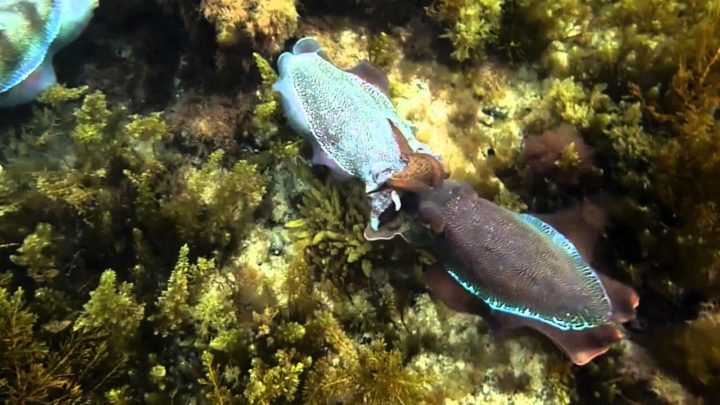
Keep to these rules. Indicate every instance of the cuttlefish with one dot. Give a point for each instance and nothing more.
(518, 271)
(31, 32)
(352, 126)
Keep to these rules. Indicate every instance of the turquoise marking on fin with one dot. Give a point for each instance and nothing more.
(561, 241)
(574, 323)
(35, 54)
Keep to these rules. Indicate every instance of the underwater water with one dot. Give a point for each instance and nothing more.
(359, 201)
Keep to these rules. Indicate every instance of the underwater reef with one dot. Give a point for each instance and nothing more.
(165, 237)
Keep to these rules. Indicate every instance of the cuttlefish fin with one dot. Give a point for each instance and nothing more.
(558, 239)
(583, 234)
(28, 89)
(443, 287)
(580, 346)
(623, 299)
(308, 45)
(582, 224)
(369, 73)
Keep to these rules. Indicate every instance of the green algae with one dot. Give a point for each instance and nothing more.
(474, 24)
(330, 229)
(112, 310)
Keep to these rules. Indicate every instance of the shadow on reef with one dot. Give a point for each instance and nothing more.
(393, 12)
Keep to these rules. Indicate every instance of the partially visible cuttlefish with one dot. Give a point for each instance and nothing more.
(31, 32)
(518, 271)
(350, 122)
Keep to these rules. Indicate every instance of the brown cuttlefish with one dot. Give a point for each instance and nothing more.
(516, 271)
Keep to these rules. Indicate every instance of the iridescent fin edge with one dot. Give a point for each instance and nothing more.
(498, 305)
(580, 346)
(561, 241)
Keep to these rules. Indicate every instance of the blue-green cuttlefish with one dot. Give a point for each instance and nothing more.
(350, 122)
(31, 32)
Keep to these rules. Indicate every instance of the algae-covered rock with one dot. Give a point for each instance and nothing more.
(267, 24)
(473, 24)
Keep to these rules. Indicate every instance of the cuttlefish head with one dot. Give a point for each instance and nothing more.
(422, 216)
(434, 204)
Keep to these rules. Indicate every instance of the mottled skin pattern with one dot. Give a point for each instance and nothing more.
(31, 32)
(347, 119)
(509, 264)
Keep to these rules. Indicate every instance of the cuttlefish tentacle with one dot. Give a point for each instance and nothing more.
(422, 170)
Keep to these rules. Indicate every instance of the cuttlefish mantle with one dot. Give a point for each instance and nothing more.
(348, 119)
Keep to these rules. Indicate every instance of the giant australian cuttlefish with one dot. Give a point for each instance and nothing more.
(513, 269)
(31, 32)
(518, 271)
(350, 122)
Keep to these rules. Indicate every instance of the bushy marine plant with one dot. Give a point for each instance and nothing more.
(361, 374)
(106, 188)
(330, 228)
(267, 24)
(613, 42)
(693, 350)
(684, 163)
(473, 24)
(39, 365)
